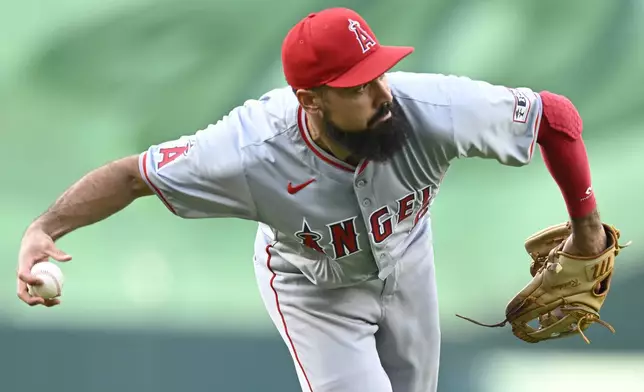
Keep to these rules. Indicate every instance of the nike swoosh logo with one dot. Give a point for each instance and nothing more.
(293, 189)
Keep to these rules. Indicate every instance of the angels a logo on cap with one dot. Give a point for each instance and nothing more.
(365, 40)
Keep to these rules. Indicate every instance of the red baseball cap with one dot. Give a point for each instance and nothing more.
(336, 47)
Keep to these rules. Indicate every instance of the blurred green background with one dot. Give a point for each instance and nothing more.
(155, 303)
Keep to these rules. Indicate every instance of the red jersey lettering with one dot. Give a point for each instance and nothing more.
(405, 207)
(344, 238)
(380, 231)
(425, 204)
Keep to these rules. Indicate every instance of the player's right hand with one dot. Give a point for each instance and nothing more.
(37, 246)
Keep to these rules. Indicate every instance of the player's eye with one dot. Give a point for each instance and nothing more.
(361, 89)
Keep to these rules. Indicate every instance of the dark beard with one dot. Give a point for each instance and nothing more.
(376, 143)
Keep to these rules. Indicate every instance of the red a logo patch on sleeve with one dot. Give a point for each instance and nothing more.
(169, 154)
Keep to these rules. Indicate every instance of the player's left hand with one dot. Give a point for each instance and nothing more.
(571, 274)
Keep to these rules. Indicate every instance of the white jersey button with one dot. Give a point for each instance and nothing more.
(361, 183)
(366, 202)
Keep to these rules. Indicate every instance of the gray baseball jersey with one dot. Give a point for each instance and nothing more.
(325, 224)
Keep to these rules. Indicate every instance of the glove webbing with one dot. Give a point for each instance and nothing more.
(587, 318)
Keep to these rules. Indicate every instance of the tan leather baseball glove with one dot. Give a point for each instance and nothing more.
(566, 292)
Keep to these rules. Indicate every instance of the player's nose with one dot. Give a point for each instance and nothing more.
(382, 92)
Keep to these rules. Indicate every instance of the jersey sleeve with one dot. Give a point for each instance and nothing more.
(492, 121)
(201, 175)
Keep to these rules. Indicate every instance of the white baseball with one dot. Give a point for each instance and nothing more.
(52, 280)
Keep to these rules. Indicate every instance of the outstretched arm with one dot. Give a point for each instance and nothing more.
(95, 197)
(564, 153)
(195, 176)
(503, 123)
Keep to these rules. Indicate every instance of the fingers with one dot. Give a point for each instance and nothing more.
(23, 294)
(26, 297)
(24, 273)
(57, 254)
(51, 302)
(38, 247)
(24, 280)
(29, 279)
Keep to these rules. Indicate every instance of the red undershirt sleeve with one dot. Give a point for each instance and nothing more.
(564, 153)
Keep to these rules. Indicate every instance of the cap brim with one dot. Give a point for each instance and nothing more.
(381, 61)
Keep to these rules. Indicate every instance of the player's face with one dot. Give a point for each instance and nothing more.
(365, 120)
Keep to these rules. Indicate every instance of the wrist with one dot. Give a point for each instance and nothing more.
(587, 223)
(588, 234)
(35, 226)
(46, 224)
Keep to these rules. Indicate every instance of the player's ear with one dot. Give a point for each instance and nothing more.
(310, 100)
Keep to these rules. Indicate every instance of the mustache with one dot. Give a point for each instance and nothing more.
(380, 140)
(383, 111)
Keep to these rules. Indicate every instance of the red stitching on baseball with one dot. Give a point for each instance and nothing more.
(58, 288)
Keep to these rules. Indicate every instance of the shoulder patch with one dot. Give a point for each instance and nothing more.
(521, 106)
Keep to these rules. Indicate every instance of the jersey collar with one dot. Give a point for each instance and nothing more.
(303, 125)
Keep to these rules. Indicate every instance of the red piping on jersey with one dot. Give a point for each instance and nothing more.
(303, 125)
(535, 132)
(279, 310)
(153, 187)
(363, 166)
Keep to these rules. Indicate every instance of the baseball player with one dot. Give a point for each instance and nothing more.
(339, 170)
